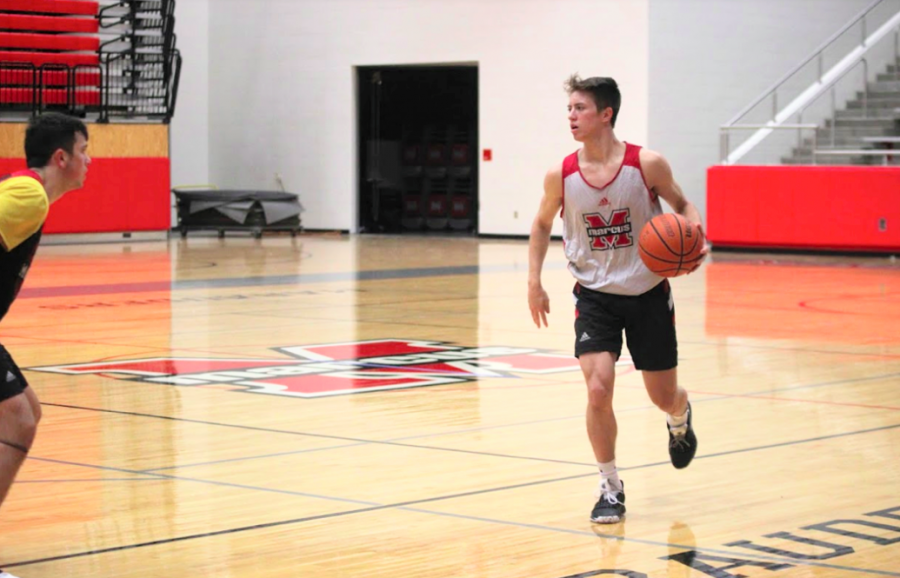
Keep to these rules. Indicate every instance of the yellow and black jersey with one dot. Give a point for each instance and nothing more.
(23, 209)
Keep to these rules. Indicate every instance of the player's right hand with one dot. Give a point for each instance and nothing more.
(539, 303)
(703, 252)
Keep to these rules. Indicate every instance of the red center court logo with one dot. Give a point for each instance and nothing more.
(606, 234)
(335, 368)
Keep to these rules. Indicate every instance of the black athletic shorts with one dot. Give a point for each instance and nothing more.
(648, 321)
(12, 382)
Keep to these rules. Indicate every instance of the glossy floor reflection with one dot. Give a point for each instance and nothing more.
(383, 406)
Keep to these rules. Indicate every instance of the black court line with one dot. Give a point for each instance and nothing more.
(356, 441)
(797, 349)
(300, 312)
(828, 383)
(418, 436)
(398, 441)
(753, 556)
(721, 396)
(398, 505)
(77, 481)
(184, 538)
(401, 323)
(775, 445)
(167, 477)
(406, 506)
(266, 280)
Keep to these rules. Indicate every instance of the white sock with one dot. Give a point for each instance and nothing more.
(610, 475)
(677, 423)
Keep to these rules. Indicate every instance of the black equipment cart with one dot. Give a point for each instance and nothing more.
(230, 210)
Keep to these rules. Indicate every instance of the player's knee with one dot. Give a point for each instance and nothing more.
(665, 399)
(20, 422)
(600, 395)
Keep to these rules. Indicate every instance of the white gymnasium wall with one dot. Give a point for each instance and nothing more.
(189, 130)
(708, 60)
(282, 89)
(269, 84)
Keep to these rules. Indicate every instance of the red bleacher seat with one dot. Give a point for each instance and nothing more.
(51, 96)
(48, 23)
(50, 6)
(48, 41)
(23, 77)
(39, 58)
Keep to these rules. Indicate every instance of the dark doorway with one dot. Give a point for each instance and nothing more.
(418, 143)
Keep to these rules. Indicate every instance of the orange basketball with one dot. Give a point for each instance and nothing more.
(670, 245)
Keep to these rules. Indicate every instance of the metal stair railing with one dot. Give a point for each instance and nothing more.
(825, 80)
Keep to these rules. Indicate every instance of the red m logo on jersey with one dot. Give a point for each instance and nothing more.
(614, 233)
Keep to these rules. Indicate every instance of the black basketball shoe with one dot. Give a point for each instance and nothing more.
(683, 446)
(610, 508)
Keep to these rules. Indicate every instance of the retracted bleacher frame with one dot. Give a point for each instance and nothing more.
(118, 58)
(101, 61)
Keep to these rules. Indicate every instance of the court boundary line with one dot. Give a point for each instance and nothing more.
(405, 506)
(373, 506)
(398, 441)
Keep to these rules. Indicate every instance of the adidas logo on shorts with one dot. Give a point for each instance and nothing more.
(584, 337)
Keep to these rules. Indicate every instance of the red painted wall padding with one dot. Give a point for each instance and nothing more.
(805, 207)
(48, 23)
(50, 6)
(120, 195)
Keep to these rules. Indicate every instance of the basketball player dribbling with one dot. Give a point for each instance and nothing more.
(605, 193)
(56, 154)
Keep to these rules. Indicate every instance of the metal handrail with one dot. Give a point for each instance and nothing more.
(800, 102)
(758, 126)
(885, 153)
(724, 133)
(816, 53)
(831, 85)
(860, 152)
(800, 125)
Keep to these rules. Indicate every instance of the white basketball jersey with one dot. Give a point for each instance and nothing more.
(601, 226)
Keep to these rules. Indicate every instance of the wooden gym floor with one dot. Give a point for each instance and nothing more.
(384, 407)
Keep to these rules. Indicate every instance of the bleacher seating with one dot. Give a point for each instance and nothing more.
(438, 188)
(28, 77)
(35, 23)
(43, 41)
(40, 58)
(53, 96)
(82, 7)
(109, 58)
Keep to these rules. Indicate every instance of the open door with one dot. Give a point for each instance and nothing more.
(418, 129)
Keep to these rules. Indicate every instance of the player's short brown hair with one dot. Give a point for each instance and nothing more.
(603, 90)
